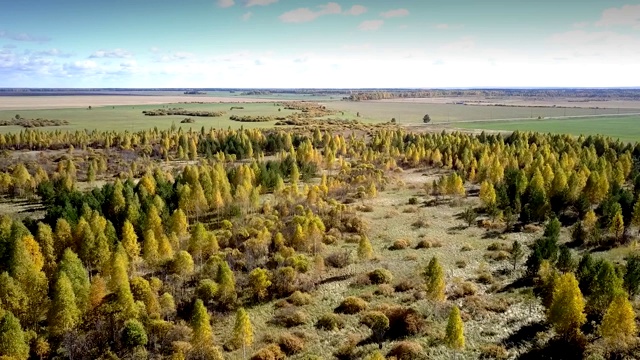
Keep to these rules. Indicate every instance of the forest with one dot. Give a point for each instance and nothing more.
(221, 244)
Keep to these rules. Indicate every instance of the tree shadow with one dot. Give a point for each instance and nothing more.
(491, 234)
(556, 349)
(516, 284)
(524, 335)
(458, 228)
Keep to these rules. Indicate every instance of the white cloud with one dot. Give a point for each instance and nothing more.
(246, 16)
(371, 25)
(628, 15)
(174, 56)
(225, 3)
(301, 15)
(602, 46)
(23, 37)
(356, 10)
(111, 54)
(250, 3)
(395, 13)
(580, 25)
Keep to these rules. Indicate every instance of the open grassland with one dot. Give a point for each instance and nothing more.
(130, 117)
(412, 112)
(626, 128)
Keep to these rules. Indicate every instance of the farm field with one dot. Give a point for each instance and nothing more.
(130, 117)
(625, 128)
(412, 112)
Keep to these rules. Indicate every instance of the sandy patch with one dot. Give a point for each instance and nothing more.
(82, 101)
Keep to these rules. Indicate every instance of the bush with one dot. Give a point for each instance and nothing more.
(461, 264)
(299, 298)
(403, 322)
(485, 278)
(380, 276)
(290, 344)
(330, 322)
(352, 305)
(498, 255)
(406, 350)
(400, 244)
(463, 289)
(418, 224)
(466, 248)
(384, 290)
(270, 352)
(413, 200)
(493, 351)
(405, 285)
(290, 317)
(498, 247)
(338, 259)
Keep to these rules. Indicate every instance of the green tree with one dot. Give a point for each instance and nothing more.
(631, 280)
(134, 334)
(566, 313)
(454, 337)
(606, 285)
(72, 267)
(202, 334)
(516, 253)
(13, 343)
(182, 264)
(565, 260)
(226, 286)
(120, 286)
(469, 216)
(243, 331)
(377, 322)
(64, 314)
(434, 278)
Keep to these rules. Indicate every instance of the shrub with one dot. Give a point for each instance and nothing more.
(485, 278)
(338, 259)
(299, 298)
(413, 200)
(352, 305)
(364, 208)
(405, 285)
(498, 247)
(424, 244)
(403, 322)
(463, 289)
(400, 244)
(290, 317)
(466, 248)
(384, 290)
(380, 276)
(406, 350)
(330, 322)
(493, 351)
(461, 264)
(290, 344)
(418, 224)
(270, 352)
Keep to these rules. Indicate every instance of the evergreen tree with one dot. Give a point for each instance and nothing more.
(64, 314)
(13, 343)
(72, 267)
(454, 337)
(202, 335)
(243, 331)
(365, 251)
(631, 280)
(606, 285)
(516, 253)
(434, 277)
(566, 313)
(565, 260)
(619, 323)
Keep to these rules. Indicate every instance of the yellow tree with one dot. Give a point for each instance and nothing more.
(454, 337)
(202, 335)
(566, 312)
(130, 242)
(365, 251)
(64, 315)
(618, 323)
(487, 194)
(434, 277)
(243, 331)
(617, 225)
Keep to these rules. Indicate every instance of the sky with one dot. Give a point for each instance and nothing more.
(319, 44)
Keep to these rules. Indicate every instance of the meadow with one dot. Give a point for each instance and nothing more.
(412, 113)
(626, 128)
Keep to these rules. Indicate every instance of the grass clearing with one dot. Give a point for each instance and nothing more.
(626, 128)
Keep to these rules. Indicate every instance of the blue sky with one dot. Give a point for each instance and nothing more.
(309, 43)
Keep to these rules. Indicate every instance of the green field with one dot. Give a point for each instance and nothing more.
(626, 128)
(131, 117)
(408, 113)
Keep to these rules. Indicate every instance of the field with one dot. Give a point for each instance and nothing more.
(626, 128)
(412, 112)
(130, 117)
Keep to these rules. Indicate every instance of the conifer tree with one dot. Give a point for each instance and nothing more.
(182, 264)
(566, 312)
(120, 286)
(606, 285)
(226, 286)
(97, 291)
(72, 267)
(130, 242)
(64, 238)
(202, 335)
(165, 251)
(179, 223)
(243, 331)
(618, 323)
(13, 343)
(46, 243)
(434, 278)
(197, 241)
(454, 337)
(64, 314)
(365, 251)
(150, 248)
(617, 225)
(487, 194)
(516, 254)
